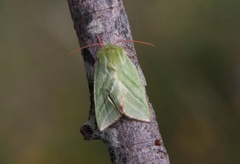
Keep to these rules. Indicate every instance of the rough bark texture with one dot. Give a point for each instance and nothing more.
(128, 141)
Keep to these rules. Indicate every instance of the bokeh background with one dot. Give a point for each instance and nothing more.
(193, 80)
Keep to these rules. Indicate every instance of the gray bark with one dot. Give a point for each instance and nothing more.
(128, 141)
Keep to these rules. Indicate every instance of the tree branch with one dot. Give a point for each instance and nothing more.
(128, 141)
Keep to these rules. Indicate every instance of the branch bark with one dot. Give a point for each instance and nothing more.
(128, 141)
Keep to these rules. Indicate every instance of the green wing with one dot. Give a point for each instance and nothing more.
(134, 103)
(106, 111)
(118, 88)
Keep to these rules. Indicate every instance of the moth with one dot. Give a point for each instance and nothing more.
(118, 89)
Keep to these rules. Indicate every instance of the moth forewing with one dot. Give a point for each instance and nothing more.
(106, 112)
(134, 101)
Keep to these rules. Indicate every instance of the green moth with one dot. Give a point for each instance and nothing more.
(118, 89)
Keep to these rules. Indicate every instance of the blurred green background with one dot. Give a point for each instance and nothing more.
(193, 80)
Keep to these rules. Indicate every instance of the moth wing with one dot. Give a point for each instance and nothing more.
(134, 101)
(106, 111)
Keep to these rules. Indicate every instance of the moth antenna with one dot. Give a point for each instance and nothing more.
(101, 45)
(90, 45)
(79, 49)
(136, 41)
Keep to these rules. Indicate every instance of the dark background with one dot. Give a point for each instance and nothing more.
(193, 80)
